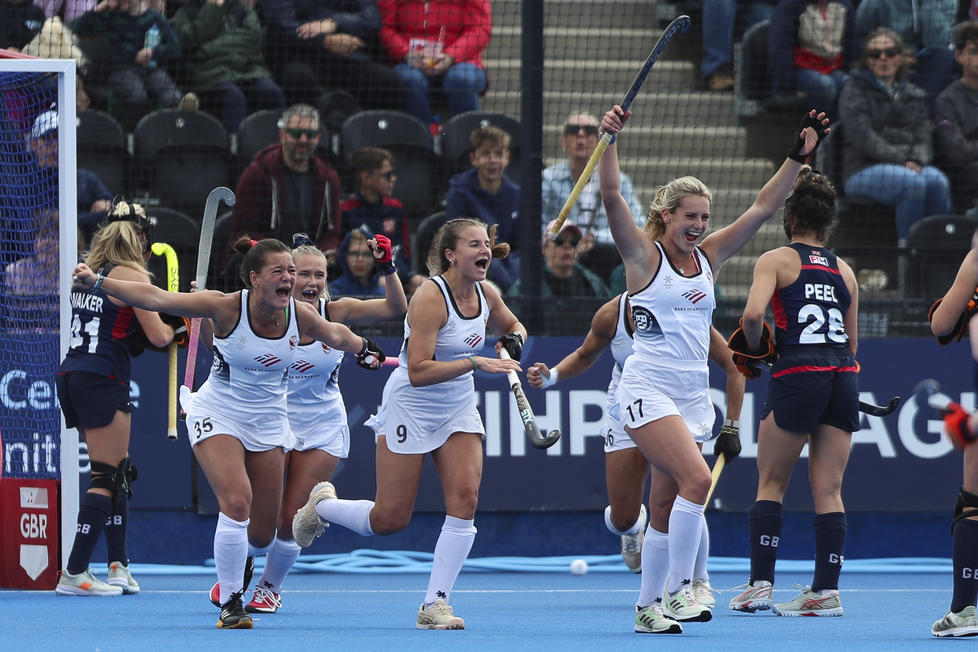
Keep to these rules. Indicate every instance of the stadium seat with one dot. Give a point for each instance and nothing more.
(101, 145)
(752, 81)
(181, 156)
(936, 246)
(180, 232)
(420, 178)
(256, 132)
(455, 145)
(422, 238)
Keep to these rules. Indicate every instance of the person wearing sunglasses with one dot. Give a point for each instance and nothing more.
(925, 28)
(578, 140)
(484, 192)
(287, 189)
(888, 148)
(373, 207)
(563, 275)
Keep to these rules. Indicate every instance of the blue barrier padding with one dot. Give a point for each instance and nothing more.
(407, 561)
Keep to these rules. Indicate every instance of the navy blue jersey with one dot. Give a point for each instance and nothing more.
(811, 311)
(100, 333)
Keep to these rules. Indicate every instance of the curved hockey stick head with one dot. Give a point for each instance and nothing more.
(537, 438)
(930, 389)
(879, 410)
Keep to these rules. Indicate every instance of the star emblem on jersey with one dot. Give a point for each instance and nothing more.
(267, 359)
(293, 342)
(667, 281)
(442, 595)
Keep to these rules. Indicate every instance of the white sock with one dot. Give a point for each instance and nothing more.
(685, 523)
(451, 550)
(702, 554)
(655, 566)
(351, 514)
(278, 562)
(230, 552)
(258, 551)
(634, 529)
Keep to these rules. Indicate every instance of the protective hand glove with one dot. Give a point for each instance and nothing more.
(386, 261)
(748, 364)
(957, 332)
(956, 425)
(513, 343)
(820, 130)
(370, 356)
(727, 442)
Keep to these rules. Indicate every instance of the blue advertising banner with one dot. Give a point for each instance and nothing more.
(900, 462)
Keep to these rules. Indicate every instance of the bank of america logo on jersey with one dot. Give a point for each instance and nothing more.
(302, 366)
(267, 359)
(694, 296)
(473, 340)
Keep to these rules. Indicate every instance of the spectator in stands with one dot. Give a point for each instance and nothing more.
(372, 207)
(287, 189)
(142, 43)
(579, 139)
(483, 192)
(20, 21)
(360, 276)
(437, 45)
(37, 273)
(93, 199)
(563, 276)
(956, 114)
(720, 18)
(888, 152)
(72, 8)
(925, 28)
(222, 40)
(319, 45)
(811, 46)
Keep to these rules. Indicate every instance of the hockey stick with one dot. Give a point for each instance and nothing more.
(172, 285)
(526, 412)
(214, 198)
(679, 25)
(717, 470)
(879, 410)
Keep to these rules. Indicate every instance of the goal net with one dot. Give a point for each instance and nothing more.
(38, 249)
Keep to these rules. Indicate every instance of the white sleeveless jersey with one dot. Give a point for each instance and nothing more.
(248, 377)
(672, 316)
(621, 348)
(459, 338)
(314, 391)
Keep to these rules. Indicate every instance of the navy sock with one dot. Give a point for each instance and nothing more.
(92, 514)
(116, 527)
(765, 537)
(830, 543)
(964, 555)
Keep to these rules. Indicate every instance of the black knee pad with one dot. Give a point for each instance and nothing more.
(966, 507)
(115, 479)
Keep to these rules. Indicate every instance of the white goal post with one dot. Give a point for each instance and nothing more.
(42, 391)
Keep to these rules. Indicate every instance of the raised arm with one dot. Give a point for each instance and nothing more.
(724, 243)
(583, 357)
(632, 243)
(373, 311)
(147, 296)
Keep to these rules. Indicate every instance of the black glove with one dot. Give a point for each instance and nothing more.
(370, 356)
(513, 343)
(727, 442)
(820, 130)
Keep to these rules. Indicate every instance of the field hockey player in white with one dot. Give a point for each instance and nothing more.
(429, 406)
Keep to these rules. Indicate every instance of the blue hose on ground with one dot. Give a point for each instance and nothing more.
(407, 561)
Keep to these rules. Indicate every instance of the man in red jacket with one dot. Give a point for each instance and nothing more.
(287, 189)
